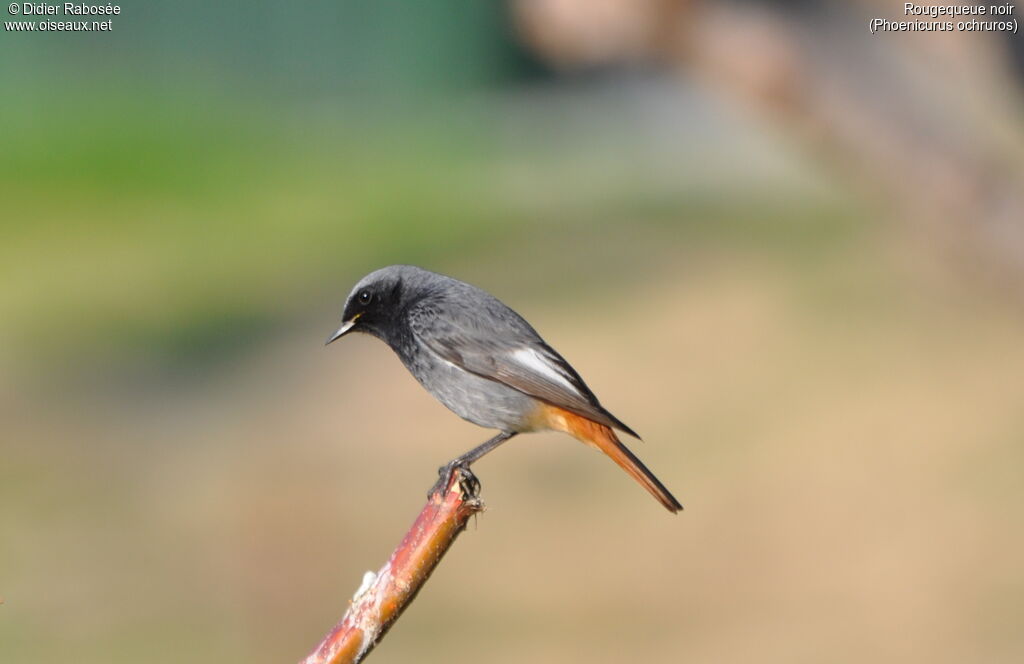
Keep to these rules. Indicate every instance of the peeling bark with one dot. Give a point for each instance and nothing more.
(383, 595)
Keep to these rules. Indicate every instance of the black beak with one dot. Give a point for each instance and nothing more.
(345, 328)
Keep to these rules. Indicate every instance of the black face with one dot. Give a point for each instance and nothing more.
(373, 307)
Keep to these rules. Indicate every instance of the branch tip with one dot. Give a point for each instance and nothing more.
(384, 595)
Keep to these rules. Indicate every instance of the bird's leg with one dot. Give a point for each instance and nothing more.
(464, 461)
(474, 454)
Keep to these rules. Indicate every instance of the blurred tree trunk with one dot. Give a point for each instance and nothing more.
(930, 122)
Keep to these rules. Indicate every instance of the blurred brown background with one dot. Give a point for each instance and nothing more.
(786, 251)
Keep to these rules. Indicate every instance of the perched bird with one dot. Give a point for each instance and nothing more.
(485, 363)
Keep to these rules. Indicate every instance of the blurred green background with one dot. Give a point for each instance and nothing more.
(826, 366)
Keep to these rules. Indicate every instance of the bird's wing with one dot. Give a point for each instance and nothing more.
(499, 345)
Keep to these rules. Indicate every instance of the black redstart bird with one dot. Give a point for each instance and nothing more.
(486, 363)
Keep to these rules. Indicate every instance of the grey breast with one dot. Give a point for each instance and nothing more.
(481, 401)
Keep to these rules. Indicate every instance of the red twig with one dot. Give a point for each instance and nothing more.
(383, 596)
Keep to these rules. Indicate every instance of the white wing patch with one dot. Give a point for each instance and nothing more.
(536, 362)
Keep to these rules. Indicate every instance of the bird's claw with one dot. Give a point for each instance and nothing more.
(469, 485)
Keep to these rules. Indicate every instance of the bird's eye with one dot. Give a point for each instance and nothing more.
(365, 297)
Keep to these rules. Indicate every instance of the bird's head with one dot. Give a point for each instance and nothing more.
(377, 303)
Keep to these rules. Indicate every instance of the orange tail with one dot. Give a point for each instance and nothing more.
(603, 438)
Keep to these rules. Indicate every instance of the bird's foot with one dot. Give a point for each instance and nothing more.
(469, 485)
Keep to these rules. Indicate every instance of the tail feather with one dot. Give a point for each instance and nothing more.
(620, 454)
(604, 439)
